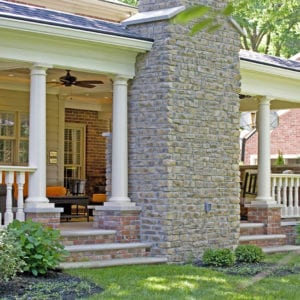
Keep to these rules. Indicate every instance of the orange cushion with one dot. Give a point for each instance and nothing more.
(99, 198)
(55, 191)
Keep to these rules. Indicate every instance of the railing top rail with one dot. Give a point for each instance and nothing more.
(279, 175)
(17, 169)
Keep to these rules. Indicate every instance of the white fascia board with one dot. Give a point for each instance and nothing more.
(153, 16)
(271, 70)
(136, 45)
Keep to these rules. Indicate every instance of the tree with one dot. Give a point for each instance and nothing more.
(270, 26)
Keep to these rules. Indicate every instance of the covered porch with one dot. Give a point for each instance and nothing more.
(272, 197)
(34, 90)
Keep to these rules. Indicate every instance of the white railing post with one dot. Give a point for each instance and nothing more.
(9, 180)
(20, 215)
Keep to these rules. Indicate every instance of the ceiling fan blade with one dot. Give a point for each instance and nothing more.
(84, 84)
(91, 81)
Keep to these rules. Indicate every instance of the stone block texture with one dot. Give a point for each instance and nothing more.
(184, 136)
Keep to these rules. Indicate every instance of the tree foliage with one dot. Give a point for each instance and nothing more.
(271, 26)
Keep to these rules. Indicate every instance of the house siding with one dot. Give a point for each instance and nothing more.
(183, 137)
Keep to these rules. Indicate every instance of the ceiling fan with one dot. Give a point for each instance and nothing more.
(69, 80)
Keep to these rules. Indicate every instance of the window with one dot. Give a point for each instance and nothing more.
(74, 152)
(14, 134)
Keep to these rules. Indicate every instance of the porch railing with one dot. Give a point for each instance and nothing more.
(12, 177)
(285, 190)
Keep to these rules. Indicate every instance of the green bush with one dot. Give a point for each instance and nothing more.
(41, 245)
(218, 257)
(249, 254)
(11, 254)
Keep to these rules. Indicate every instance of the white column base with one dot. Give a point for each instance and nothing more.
(267, 202)
(119, 201)
(35, 202)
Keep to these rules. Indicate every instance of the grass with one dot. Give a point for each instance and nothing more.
(189, 282)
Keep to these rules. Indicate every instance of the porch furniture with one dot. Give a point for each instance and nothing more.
(67, 201)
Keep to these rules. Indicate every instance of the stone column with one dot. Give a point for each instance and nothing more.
(119, 188)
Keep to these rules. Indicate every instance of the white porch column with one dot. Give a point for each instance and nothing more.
(119, 183)
(264, 155)
(37, 139)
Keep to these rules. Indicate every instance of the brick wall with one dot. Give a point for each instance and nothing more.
(95, 144)
(183, 137)
(286, 137)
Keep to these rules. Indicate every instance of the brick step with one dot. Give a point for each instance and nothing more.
(252, 228)
(114, 262)
(264, 240)
(87, 236)
(284, 248)
(100, 252)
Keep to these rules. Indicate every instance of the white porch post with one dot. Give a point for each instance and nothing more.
(119, 184)
(264, 155)
(37, 139)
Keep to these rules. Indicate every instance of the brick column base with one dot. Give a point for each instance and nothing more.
(270, 216)
(51, 219)
(126, 221)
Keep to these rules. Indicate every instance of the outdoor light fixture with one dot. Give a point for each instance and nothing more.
(207, 207)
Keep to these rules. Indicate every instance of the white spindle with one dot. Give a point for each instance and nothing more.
(290, 209)
(9, 180)
(20, 209)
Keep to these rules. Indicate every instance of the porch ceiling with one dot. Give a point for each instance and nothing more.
(16, 76)
(281, 86)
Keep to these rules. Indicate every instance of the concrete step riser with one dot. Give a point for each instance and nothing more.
(101, 255)
(88, 239)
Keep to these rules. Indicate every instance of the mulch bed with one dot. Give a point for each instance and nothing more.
(55, 285)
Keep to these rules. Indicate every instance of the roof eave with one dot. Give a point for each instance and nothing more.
(134, 44)
(256, 66)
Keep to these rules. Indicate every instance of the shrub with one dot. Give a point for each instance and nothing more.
(11, 254)
(219, 257)
(249, 254)
(41, 245)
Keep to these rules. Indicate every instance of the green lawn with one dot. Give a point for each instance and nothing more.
(189, 282)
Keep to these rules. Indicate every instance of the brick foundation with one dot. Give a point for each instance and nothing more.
(270, 216)
(125, 221)
(51, 219)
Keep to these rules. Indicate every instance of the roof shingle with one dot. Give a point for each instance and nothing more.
(62, 19)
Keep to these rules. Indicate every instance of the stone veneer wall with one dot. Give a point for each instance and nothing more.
(184, 137)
